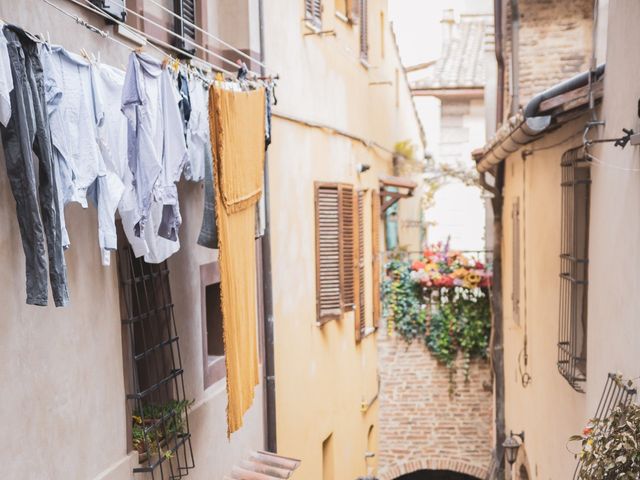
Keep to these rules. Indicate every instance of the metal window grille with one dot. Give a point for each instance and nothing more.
(616, 393)
(156, 392)
(313, 12)
(572, 341)
(185, 11)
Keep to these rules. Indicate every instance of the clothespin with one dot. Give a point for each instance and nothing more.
(243, 71)
(175, 65)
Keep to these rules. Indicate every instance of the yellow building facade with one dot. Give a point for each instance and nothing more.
(347, 104)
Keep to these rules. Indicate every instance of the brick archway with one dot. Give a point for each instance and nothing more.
(457, 466)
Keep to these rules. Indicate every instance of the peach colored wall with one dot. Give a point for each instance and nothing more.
(548, 410)
(322, 375)
(61, 370)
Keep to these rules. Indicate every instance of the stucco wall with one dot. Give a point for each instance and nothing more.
(547, 409)
(61, 371)
(421, 422)
(322, 376)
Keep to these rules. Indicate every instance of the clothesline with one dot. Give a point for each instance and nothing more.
(156, 43)
(120, 139)
(152, 41)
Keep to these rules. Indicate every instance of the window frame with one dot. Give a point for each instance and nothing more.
(574, 267)
(213, 367)
(313, 14)
(515, 260)
(347, 250)
(363, 12)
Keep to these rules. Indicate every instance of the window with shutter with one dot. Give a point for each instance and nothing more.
(328, 272)
(515, 261)
(184, 25)
(348, 246)
(360, 317)
(115, 8)
(313, 13)
(364, 30)
(375, 255)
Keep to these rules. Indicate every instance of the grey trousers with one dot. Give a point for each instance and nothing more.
(209, 232)
(27, 140)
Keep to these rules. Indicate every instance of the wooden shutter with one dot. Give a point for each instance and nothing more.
(375, 255)
(347, 246)
(328, 272)
(313, 12)
(364, 30)
(515, 261)
(360, 317)
(184, 24)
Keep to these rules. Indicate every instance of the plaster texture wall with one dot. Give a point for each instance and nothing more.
(554, 45)
(548, 409)
(326, 383)
(61, 369)
(421, 422)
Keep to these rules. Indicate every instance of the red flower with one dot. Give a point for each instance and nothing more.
(417, 265)
(479, 266)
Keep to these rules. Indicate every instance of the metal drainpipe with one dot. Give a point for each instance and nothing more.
(267, 293)
(497, 20)
(515, 57)
(497, 353)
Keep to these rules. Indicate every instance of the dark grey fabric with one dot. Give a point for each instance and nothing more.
(26, 138)
(209, 232)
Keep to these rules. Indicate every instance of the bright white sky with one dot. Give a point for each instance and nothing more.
(458, 210)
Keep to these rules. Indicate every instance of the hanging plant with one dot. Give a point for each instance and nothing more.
(443, 299)
(404, 312)
(610, 446)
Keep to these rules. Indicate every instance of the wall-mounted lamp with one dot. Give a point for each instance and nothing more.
(511, 446)
(362, 167)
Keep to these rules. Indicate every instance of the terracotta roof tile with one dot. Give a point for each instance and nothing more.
(461, 64)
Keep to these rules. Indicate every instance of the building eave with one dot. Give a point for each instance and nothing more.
(448, 93)
(544, 112)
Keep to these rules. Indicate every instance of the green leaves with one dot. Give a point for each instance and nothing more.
(610, 446)
(449, 320)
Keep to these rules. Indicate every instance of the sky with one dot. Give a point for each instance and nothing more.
(459, 210)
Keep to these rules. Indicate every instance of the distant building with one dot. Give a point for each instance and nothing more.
(455, 85)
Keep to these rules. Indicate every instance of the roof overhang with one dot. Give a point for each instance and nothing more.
(393, 189)
(545, 112)
(448, 93)
(264, 466)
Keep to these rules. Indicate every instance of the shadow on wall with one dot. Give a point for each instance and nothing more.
(436, 475)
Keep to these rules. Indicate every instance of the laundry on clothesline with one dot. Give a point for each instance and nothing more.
(122, 140)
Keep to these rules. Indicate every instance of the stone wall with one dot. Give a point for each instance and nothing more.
(555, 44)
(422, 427)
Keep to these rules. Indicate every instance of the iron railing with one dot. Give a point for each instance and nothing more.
(616, 393)
(156, 392)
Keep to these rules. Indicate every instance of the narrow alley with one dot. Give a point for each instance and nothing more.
(319, 239)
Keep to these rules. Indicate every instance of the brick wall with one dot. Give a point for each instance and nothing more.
(555, 44)
(421, 426)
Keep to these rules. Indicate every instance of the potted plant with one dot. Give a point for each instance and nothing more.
(610, 446)
(148, 436)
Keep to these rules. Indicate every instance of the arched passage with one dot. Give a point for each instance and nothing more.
(433, 469)
(436, 475)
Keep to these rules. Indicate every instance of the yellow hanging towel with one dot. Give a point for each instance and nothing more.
(237, 122)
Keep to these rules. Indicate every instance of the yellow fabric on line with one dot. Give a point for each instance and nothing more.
(237, 122)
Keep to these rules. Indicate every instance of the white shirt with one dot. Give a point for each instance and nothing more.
(6, 80)
(197, 130)
(156, 152)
